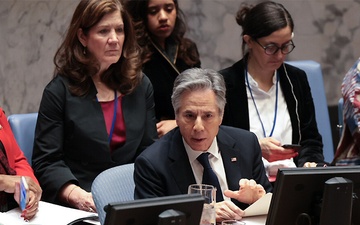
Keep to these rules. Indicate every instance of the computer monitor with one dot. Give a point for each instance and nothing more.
(298, 192)
(147, 211)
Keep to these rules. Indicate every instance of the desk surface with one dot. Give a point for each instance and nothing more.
(59, 215)
(48, 214)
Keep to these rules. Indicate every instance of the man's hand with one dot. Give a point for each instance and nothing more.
(227, 210)
(249, 191)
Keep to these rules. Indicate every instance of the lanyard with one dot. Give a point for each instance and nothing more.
(114, 117)
(257, 111)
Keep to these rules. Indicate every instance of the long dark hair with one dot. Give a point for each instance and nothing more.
(262, 19)
(71, 62)
(138, 11)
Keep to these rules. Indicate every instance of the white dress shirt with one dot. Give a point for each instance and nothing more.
(265, 103)
(216, 163)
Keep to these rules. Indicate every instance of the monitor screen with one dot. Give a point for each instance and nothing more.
(147, 211)
(299, 192)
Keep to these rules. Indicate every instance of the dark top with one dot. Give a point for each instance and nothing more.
(164, 169)
(71, 141)
(296, 89)
(162, 72)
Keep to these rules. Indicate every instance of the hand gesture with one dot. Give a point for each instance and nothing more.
(249, 191)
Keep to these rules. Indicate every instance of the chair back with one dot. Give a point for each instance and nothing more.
(315, 78)
(111, 186)
(23, 127)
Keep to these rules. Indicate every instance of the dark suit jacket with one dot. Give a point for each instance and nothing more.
(71, 141)
(164, 169)
(305, 131)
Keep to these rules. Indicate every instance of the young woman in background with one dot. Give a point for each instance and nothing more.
(160, 30)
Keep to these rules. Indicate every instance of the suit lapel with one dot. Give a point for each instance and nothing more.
(179, 164)
(231, 160)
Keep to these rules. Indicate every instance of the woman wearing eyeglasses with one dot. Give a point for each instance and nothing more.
(266, 95)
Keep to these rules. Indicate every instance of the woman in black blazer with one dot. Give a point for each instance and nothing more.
(267, 96)
(98, 111)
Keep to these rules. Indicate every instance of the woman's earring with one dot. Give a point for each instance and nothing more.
(84, 50)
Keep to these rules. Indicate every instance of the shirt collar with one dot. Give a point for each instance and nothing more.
(193, 154)
(254, 84)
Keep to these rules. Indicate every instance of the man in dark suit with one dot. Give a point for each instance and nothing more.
(170, 165)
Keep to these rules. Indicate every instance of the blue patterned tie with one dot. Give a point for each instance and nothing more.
(209, 177)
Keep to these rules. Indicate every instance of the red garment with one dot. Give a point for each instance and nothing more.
(7, 170)
(15, 156)
(119, 134)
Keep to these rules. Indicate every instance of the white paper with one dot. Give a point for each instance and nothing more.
(255, 220)
(48, 214)
(260, 207)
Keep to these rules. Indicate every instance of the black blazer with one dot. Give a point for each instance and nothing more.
(162, 73)
(71, 141)
(164, 169)
(298, 100)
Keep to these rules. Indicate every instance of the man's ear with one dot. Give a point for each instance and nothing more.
(82, 37)
(222, 116)
(176, 120)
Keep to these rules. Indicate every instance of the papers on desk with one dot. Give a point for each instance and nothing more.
(260, 207)
(48, 214)
(255, 220)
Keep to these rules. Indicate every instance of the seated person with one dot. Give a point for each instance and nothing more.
(14, 165)
(348, 149)
(98, 110)
(170, 165)
(269, 97)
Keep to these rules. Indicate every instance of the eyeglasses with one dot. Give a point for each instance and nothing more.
(272, 49)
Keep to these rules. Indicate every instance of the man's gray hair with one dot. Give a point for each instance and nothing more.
(199, 79)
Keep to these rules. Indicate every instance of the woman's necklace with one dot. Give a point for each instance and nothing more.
(257, 111)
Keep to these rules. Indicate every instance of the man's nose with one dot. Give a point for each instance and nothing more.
(198, 125)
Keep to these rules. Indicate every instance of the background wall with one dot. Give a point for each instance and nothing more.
(326, 31)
